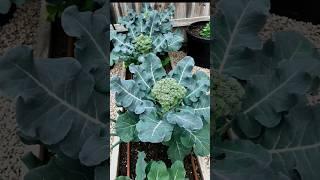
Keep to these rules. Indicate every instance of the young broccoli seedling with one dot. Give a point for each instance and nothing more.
(205, 31)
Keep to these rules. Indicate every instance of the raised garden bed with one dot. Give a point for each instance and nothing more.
(124, 156)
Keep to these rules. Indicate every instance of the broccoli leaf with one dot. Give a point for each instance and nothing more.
(141, 166)
(51, 112)
(153, 129)
(60, 167)
(158, 170)
(236, 27)
(243, 160)
(199, 140)
(182, 72)
(270, 94)
(199, 87)
(186, 118)
(126, 126)
(176, 150)
(128, 95)
(177, 171)
(147, 73)
(293, 145)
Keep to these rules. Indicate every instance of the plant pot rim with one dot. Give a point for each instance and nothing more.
(188, 30)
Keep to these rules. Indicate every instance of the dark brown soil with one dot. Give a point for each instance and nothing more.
(59, 41)
(155, 152)
(196, 29)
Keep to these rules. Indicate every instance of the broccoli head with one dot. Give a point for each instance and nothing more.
(168, 93)
(143, 44)
(227, 93)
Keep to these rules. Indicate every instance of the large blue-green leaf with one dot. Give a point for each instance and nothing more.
(182, 72)
(129, 96)
(153, 129)
(198, 88)
(141, 166)
(270, 94)
(294, 144)
(89, 28)
(94, 149)
(173, 41)
(5, 6)
(177, 171)
(55, 100)
(243, 160)
(185, 118)
(61, 168)
(177, 151)
(126, 126)
(91, 46)
(202, 107)
(148, 72)
(158, 170)
(199, 140)
(236, 27)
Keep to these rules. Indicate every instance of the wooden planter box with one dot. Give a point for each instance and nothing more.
(203, 162)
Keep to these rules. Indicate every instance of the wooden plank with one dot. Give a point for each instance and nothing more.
(204, 163)
(41, 49)
(176, 22)
(183, 10)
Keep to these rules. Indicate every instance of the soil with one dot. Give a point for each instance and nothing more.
(59, 41)
(155, 152)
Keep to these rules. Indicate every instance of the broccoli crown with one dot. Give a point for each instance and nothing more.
(168, 93)
(227, 93)
(143, 44)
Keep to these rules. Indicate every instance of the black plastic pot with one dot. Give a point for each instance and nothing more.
(4, 18)
(197, 46)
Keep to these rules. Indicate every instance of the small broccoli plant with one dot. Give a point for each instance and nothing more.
(205, 31)
(156, 170)
(148, 31)
(173, 108)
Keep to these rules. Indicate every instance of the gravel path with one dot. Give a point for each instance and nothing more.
(20, 30)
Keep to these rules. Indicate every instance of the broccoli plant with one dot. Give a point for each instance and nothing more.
(169, 108)
(148, 31)
(205, 31)
(61, 102)
(6, 5)
(274, 131)
(156, 170)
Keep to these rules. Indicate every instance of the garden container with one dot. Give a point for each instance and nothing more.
(197, 46)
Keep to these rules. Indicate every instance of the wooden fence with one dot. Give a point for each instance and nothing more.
(183, 10)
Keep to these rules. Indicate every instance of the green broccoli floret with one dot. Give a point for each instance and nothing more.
(168, 93)
(143, 44)
(227, 93)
